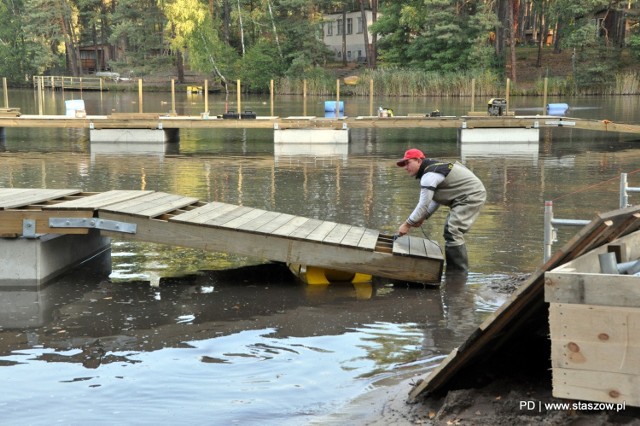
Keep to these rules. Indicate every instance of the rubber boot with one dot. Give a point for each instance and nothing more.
(456, 258)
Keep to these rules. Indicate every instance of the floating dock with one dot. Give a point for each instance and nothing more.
(484, 128)
(177, 220)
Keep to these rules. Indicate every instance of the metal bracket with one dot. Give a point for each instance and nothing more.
(29, 228)
(103, 224)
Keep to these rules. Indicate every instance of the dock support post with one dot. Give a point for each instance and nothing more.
(271, 95)
(239, 97)
(370, 97)
(304, 97)
(4, 90)
(206, 97)
(473, 95)
(173, 96)
(544, 96)
(507, 92)
(338, 98)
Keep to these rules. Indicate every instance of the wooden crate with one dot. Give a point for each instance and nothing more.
(594, 322)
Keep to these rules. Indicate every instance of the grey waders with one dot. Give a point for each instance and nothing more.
(456, 258)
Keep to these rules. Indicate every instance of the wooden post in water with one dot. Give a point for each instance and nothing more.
(173, 96)
(337, 98)
(507, 90)
(271, 95)
(370, 96)
(238, 96)
(544, 96)
(4, 90)
(140, 95)
(473, 95)
(304, 97)
(40, 110)
(206, 98)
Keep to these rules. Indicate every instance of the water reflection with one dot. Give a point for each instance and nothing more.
(180, 336)
(251, 334)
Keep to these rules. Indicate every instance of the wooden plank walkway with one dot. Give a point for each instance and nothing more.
(166, 121)
(186, 221)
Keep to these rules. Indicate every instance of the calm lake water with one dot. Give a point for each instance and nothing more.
(230, 340)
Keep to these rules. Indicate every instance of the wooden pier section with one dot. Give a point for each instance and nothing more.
(178, 220)
(167, 121)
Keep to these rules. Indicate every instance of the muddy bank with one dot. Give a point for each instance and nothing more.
(511, 387)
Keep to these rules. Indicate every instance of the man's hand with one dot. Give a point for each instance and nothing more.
(404, 229)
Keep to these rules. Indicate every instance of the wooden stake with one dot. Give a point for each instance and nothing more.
(304, 97)
(337, 98)
(238, 96)
(6, 94)
(473, 95)
(206, 96)
(173, 96)
(371, 97)
(544, 96)
(271, 90)
(140, 95)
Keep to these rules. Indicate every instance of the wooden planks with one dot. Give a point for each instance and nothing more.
(94, 202)
(11, 198)
(150, 204)
(409, 245)
(595, 352)
(596, 338)
(11, 222)
(618, 388)
(281, 224)
(527, 303)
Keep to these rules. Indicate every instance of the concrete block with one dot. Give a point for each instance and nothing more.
(133, 135)
(31, 262)
(299, 136)
(517, 134)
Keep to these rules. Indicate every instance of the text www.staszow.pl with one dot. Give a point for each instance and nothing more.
(577, 405)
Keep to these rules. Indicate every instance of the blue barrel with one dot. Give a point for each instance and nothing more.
(330, 106)
(557, 109)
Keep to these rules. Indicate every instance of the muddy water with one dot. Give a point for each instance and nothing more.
(222, 339)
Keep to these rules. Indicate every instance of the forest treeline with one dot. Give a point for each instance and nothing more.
(437, 46)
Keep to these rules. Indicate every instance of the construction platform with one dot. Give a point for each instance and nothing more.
(570, 310)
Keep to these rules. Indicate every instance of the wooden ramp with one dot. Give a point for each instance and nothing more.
(526, 306)
(164, 218)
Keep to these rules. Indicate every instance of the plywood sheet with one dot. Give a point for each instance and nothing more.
(603, 386)
(596, 338)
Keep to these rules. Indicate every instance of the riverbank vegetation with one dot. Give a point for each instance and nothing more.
(417, 47)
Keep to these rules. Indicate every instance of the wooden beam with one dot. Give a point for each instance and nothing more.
(11, 221)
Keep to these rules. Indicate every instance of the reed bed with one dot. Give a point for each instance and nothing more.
(415, 83)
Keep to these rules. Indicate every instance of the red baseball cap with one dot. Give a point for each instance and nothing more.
(409, 154)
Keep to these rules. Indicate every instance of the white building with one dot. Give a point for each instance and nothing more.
(354, 30)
